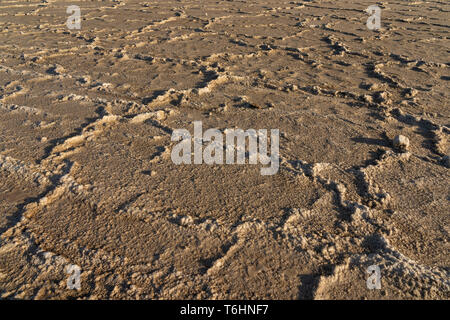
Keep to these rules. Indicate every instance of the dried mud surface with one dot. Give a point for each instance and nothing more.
(86, 176)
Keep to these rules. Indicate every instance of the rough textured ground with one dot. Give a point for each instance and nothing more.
(86, 176)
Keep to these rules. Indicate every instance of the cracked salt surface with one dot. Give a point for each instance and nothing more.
(86, 177)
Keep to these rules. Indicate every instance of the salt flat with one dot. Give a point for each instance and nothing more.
(86, 176)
